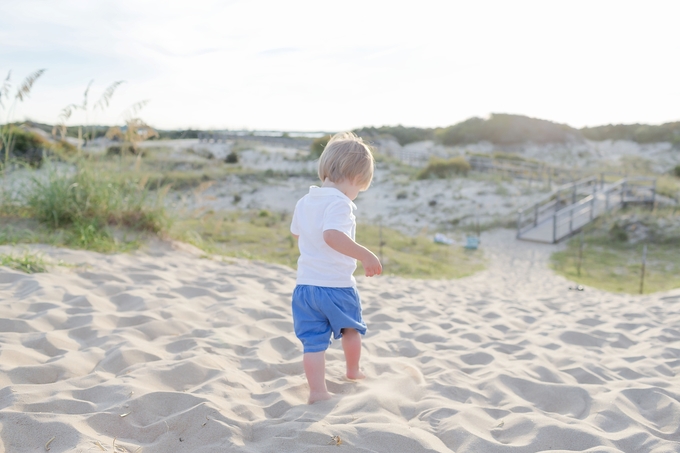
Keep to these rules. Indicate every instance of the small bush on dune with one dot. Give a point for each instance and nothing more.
(232, 158)
(117, 150)
(29, 147)
(445, 168)
(318, 145)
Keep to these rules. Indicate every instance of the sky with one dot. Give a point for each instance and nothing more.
(316, 65)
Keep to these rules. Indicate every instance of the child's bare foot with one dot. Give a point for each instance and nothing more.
(357, 374)
(318, 396)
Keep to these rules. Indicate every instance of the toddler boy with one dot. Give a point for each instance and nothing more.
(325, 299)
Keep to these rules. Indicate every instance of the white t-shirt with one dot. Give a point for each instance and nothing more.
(323, 208)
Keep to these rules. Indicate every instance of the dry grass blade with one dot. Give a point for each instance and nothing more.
(4, 91)
(25, 87)
(135, 108)
(47, 445)
(335, 440)
(63, 116)
(87, 92)
(103, 101)
(99, 444)
(143, 182)
(125, 415)
(203, 187)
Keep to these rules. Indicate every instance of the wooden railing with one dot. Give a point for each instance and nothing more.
(566, 220)
(546, 207)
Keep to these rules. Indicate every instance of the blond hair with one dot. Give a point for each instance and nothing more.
(346, 157)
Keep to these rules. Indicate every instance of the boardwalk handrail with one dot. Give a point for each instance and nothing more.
(565, 221)
(551, 202)
(561, 218)
(563, 188)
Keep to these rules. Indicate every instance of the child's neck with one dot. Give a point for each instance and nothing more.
(344, 186)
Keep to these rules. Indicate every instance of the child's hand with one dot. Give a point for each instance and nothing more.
(371, 265)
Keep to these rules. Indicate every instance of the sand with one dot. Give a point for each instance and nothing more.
(164, 350)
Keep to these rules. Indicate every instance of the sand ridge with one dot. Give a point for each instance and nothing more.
(164, 350)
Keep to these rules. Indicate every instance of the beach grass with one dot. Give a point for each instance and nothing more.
(611, 261)
(264, 235)
(79, 206)
(618, 268)
(29, 263)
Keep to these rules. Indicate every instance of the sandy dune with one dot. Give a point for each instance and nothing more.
(170, 352)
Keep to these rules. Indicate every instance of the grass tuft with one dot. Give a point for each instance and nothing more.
(85, 208)
(28, 263)
(445, 168)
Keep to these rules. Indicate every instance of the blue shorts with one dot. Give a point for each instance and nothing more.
(318, 311)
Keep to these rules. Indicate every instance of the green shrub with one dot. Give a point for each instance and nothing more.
(29, 146)
(232, 158)
(676, 171)
(445, 168)
(618, 233)
(29, 263)
(117, 150)
(91, 200)
(318, 145)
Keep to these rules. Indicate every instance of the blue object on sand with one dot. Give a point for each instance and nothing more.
(472, 242)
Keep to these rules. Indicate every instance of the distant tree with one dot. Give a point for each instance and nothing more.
(640, 133)
(403, 135)
(506, 129)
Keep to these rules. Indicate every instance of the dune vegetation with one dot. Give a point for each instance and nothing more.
(264, 235)
(609, 254)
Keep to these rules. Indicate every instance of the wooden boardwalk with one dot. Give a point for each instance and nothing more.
(575, 205)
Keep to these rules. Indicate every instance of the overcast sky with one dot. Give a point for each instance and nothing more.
(328, 65)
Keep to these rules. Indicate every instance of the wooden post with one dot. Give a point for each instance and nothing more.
(623, 189)
(554, 227)
(580, 254)
(592, 208)
(573, 195)
(642, 273)
(535, 214)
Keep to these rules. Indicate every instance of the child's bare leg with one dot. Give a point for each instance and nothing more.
(315, 369)
(351, 344)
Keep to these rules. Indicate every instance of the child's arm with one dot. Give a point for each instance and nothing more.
(342, 243)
